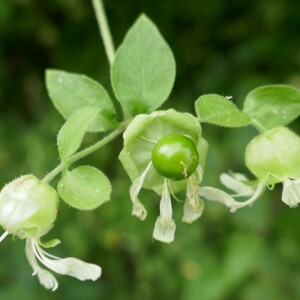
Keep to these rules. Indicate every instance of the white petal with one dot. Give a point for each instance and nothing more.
(234, 182)
(75, 268)
(291, 192)
(165, 227)
(164, 230)
(67, 266)
(214, 194)
(193, 205)
(192, 210)
(138, 208)
(15, 208)
(217, 195)
(45, 277)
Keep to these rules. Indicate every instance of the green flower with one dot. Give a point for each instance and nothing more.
(28, 207)
(164, 152)
(273, 157)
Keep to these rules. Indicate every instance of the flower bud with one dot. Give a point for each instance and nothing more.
(28, 207)
(275, 155)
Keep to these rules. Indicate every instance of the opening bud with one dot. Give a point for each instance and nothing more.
(28, 207)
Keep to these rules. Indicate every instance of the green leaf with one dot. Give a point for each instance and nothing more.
(219, 110)
(84, 188)
(143, 72)
(69, 92)
(272, 106)
(72, 132)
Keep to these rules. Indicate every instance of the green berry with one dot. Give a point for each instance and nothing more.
(175, 156)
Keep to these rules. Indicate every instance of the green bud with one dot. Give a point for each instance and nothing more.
(28, 207)
(274, 154)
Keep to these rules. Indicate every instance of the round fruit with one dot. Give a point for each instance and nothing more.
(175, 156)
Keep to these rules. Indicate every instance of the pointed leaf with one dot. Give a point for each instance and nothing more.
(84, 188)
(272, 106)
(72, 132)
(143, 72)
(70, 92)
(219, 110)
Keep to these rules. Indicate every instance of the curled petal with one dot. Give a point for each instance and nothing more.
(236, 183)
(46, 278)
(291, 192)
(193, 205)
(165, 227)
(138, 209)
(192, 210)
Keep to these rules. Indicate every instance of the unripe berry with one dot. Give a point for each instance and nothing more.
(175, 156)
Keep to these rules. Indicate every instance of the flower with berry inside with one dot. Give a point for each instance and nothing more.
(164, 151)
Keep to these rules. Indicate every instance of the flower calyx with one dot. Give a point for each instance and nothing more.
(28, 207)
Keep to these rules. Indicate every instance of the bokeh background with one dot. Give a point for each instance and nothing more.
(226, 47)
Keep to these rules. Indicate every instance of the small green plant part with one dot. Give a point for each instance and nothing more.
(165, 152)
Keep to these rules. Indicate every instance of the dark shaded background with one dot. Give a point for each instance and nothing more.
(226, 47)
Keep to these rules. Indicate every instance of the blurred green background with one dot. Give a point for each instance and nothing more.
(227, 47)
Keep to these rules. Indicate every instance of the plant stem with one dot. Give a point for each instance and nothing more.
(258, 126)
(104, 30)
(98, 144)
(65, 164)
(107, 40)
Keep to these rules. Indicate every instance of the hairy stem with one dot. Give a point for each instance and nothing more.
(65, 164)
(104, 30)
(107, 40)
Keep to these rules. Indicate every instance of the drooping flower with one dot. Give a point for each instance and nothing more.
(28, 209)
(273, 157)
(164, 151)
(65, 266)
